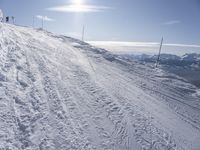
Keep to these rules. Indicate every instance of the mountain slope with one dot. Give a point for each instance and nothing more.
(59, 93)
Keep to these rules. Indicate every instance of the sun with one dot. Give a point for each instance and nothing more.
(77, 2)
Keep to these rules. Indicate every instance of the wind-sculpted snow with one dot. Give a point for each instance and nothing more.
(58, 93)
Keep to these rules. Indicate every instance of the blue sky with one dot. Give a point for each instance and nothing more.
(114, 20)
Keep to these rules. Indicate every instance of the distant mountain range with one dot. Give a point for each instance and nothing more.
(191, 60)
(186, 66)
(191, 57)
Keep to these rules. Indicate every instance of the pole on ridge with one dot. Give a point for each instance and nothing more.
(33, 21)
(83, 33)
(158, 59)
(42, 22)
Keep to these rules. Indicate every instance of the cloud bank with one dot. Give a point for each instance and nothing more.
(140, 44)
(146, 47)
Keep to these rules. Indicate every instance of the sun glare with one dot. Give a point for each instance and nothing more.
(79, 6)
(77, 2)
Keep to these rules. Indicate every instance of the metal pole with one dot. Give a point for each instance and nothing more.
(83, 33)
(13, 20)
(159, 52)
(42, 22)
(33, 21)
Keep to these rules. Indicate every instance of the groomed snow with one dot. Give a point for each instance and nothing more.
(60, 93)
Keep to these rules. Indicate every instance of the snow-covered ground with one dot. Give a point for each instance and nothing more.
(60, 93)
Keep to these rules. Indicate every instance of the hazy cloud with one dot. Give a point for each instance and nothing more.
(172, 22)
(183, 45)
(79, 8)
(140, 44)
(151, 48)
(125, 44)
(45, 18)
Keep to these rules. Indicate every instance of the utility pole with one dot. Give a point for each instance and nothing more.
(158, 59)
(13, 19)
(33, 21)
(42, 22)
(83, 33)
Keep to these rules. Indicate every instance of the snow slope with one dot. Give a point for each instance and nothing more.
(60, 93)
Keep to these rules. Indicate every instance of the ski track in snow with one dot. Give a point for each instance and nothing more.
(60, 93)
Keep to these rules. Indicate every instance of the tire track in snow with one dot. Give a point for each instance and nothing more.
(60, 112)
(81, 111)
(86, 91)
(105, 103)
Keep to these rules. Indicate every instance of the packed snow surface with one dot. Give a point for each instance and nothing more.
(58, 93)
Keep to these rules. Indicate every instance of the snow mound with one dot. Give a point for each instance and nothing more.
(60, 93)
